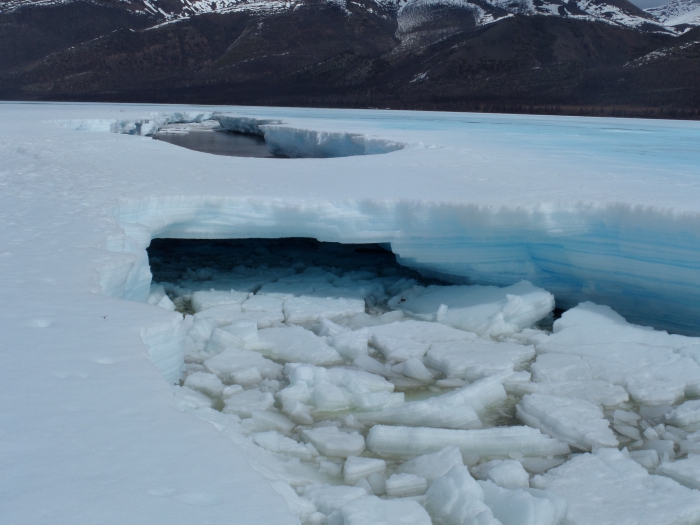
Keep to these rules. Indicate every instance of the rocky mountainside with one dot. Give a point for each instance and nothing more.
(576, 56)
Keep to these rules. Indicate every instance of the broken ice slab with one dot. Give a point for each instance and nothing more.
(523, 506)
(294, 344)
(601, 393)
(684, 471)
(499, 442)
(375, 511)
(575, 421)
(405, 485)
(506, 473)
(236, 360)
(276, 442)
(400, 341)
(593, 342)
(472, 360)
(330, 441)
(247, 402)
(485, 310)
(457, 409)
(457, 499)
(208, 384)
(305, 309)
(329, 498)
(348, 343)
(607, 487)
(356, 468)
(686, 416)
(432, 466)
(201, 300)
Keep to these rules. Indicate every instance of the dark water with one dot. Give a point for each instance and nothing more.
(219, 143)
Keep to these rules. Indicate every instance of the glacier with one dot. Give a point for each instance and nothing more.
(598, 210)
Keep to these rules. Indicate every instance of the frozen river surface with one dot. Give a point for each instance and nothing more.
(342, 391)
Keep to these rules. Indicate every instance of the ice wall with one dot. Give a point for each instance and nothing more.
(640, 262)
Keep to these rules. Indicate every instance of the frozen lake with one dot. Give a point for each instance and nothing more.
(328, 390)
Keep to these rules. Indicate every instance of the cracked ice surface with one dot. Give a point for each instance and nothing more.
(88, 425)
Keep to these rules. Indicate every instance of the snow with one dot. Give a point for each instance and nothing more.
(623, 492)
(93, 427)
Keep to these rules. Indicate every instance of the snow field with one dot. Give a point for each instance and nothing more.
(387, 413)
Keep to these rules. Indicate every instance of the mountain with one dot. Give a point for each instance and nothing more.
(577, 56)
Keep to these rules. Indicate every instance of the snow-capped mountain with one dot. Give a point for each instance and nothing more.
(411, 13)
(677, 13)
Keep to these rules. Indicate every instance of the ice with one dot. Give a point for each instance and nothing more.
(598, 392)
(375, 511)
(432, 466)
(457, 409)
(508, 473)
(276, 442)
(332, 442)
(297, 345)
(484, 310)
(403, 485)
(186, 398)
(247, 402)
(622, 490)
(201, 300)
(491, 442)
(300, 507)
(474, 360)
(577, 422)
(348, 343)
(236, 360)
(686, 415)
(207, 384)
(336, 389)
(415, 369)
(649, 459)
(245, 329)
(328, 498)
(306, 308)
(523, 507)
(456, 499)
(357, 468)
(264, 420)
(649, 364)
(84, 356)
(684, 471)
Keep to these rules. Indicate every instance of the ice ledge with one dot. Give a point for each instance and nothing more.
(639, 261)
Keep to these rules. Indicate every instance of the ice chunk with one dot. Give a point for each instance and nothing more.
(222, 340)
(185, 398)
(414, 368)
(684, 471)
(247, 402)
(201, 300)
(575, 421)
(207, 384)
(456, 499)
(485, 310)
(432, 466)
(649, 459)
(508, 474)
(593, 342)
(472, 360)
(236, 360)
(396, 350)
(686, 415)
(222, 315)
(300, 507)
(357, 468)
(403, 485)
(198, 336)
(490, 442)
(348, 343)
(244, 329)
(297, 345)
(521, 507)
(264, 420)
(328, 498)
(276, 442)
(308, 308)
(608, 488)
(377, 482)
(375, 511)
(601, 393)
(457, 409)
(330, 441)
(157, 292)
